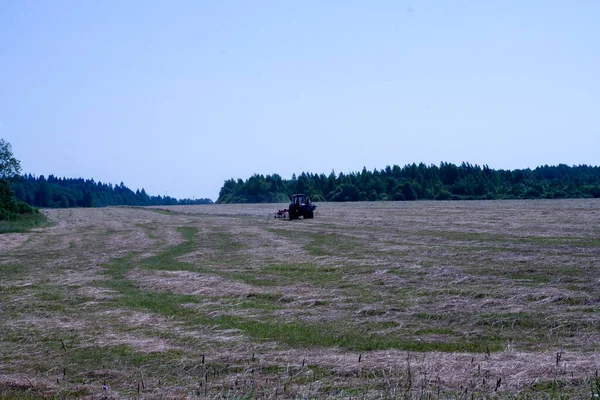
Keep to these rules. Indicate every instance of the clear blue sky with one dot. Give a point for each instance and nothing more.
(178, 96)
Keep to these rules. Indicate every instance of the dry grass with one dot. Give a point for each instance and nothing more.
(407, 300)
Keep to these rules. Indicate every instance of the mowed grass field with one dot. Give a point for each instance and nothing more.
(491, 299)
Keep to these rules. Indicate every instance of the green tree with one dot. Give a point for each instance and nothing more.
(43, 195)
(88, 200)
(408, 192)
(9, 165)
(8, 203)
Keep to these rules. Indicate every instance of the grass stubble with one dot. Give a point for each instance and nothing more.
(496, 299)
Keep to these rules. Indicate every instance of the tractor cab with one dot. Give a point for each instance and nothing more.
(300, 199)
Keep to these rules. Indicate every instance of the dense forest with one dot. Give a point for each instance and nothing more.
(78, 192)
(419, 181)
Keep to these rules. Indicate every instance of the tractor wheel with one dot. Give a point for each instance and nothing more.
(309, 214)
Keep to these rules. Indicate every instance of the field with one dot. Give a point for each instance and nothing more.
(368, 300)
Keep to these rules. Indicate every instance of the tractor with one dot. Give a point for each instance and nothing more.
(300, 205)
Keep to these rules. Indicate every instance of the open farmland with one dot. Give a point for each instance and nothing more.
(396, 300)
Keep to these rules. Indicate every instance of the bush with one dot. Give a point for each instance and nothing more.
(316, 197)
(24, 208)
(11, 209)
(532, 193)
(398, 197)
(559, 194)
(444, 195)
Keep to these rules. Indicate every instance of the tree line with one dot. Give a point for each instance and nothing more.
(421, 182)
(19, 194)
(78, 192)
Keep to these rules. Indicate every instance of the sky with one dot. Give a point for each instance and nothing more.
(178, 96)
